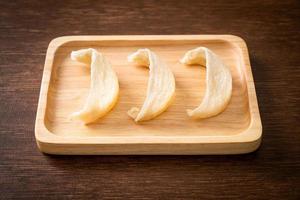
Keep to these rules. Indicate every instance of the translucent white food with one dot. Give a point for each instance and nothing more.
(104, 86)
(218, 82)
(161, 86)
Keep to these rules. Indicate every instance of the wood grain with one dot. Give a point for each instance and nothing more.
(65, 85)
(271, 30)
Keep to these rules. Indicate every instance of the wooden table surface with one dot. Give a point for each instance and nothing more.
(272, 32)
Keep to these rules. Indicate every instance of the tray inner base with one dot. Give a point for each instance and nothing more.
(70, 83)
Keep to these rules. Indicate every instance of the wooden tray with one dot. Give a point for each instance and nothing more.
(65, 84)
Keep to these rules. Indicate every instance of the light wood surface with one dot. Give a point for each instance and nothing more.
(65, 85)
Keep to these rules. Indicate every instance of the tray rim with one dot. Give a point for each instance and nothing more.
(251, 137)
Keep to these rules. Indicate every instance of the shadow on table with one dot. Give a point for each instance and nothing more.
(158, 162)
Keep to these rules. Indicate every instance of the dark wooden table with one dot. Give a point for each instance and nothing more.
(272, 32)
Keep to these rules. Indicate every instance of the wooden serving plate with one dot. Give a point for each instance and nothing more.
(65, 85)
